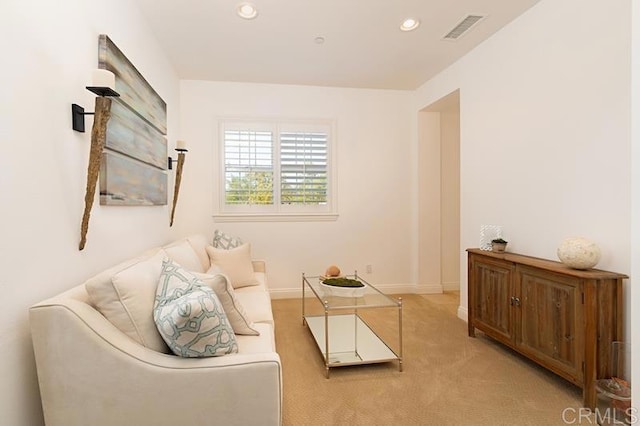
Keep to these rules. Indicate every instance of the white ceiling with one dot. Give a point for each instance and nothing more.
(364, 47)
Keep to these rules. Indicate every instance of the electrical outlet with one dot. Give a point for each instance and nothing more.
(369, 269)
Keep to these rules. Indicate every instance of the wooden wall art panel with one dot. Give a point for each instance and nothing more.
(134, 90)
(125, 181)
(129, 134)
(136, 130)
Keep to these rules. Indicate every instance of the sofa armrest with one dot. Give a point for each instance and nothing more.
(91, 373)
(259, 266)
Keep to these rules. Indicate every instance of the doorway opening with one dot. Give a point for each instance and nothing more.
(439, 196)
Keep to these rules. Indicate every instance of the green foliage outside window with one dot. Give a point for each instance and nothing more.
(250, 188)
(257, 188)
(310, 189)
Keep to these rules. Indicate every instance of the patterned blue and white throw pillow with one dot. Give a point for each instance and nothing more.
(189, 315)
(224, 241)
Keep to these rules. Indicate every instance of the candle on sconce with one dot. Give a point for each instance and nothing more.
(104, 78)
(181, 145)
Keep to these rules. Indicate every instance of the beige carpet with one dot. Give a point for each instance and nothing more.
(448, 379)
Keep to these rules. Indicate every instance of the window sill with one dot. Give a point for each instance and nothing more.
(301, 217)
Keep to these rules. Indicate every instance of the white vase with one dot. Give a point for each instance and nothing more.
(579, 253)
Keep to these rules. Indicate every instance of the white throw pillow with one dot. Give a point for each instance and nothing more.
(127, 301)
(189, 315)
(236, 313)
(235, 264)
(183, 254)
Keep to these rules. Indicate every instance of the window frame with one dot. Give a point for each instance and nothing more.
(277, 211)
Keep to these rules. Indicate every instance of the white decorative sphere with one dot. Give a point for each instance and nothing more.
(579, 253)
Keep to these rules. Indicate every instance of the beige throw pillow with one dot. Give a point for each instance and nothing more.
(236, 313)
(183, 254)
(127, 301)
(235, 264)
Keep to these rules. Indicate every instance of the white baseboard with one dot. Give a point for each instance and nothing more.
(463, 313)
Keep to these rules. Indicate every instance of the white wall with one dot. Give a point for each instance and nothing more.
(49, 51)
(545, 102)
(374, 180)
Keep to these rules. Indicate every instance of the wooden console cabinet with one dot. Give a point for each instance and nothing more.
(564, 319)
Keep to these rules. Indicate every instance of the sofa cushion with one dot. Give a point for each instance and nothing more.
(183, 254)
(240, 321)
(126, 299)
(261, 278)
(263, 343)
(224, 241)
(189, 315)
(235, 263)
(258, 306)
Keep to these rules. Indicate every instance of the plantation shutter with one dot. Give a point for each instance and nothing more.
(303, 167)
(248, 165)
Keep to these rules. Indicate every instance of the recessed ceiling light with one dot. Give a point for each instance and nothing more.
(410, 24)
(319, 40)
(247, 11)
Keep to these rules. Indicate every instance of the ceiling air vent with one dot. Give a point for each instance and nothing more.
(463, 26)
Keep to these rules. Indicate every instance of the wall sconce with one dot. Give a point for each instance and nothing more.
(103, 86)
(181, 147)
(104, 82)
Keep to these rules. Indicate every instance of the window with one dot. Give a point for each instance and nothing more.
(276, 169)
(303, 168)
(248, 167)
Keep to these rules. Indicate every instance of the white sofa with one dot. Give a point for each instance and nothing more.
(92, 373)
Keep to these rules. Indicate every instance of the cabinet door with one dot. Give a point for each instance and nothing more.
(549, 318)
(492, 291)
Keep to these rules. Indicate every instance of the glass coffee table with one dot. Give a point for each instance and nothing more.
(341, 334)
